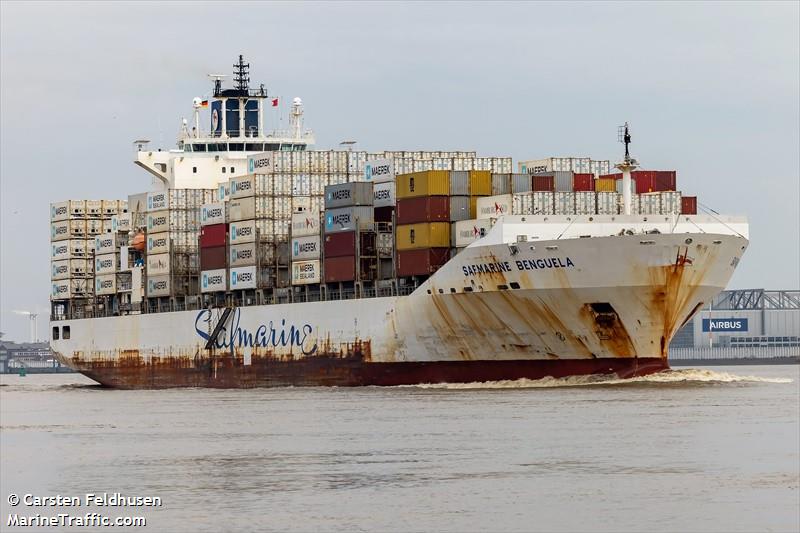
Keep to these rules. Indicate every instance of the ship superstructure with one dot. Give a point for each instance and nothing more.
(262, 262)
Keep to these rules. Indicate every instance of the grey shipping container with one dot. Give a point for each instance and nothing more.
(459, 183)
(348, 194)
(563, 181)
(459, 208)
(501, 184)
(521, 183)
(348, 218)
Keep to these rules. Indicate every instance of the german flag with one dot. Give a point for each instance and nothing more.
(204, 103)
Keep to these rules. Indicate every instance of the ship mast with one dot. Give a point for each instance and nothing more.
(626, 166)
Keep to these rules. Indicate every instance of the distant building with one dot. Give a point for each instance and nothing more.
(31, 355)
(744, 318)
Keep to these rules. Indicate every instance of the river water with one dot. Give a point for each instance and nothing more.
(707, 449)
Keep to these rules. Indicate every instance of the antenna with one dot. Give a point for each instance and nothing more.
(624, 136)
(240, 74)
(217, 78)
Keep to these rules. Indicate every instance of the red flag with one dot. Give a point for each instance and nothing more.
(274, 102)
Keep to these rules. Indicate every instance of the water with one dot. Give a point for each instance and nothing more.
(691, 450)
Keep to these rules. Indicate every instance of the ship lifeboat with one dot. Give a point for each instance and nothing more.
(138, 242)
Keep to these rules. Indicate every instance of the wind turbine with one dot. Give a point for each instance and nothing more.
(34, 326)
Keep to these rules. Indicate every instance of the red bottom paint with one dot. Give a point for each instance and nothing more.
(227, 372)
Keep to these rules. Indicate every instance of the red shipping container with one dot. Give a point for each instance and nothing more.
(423, 209)
(340, 244)
(384, 214)
(617, 176)
(421, 262)
(583, 182)
(339, 269)
(544, 183)
(688, 205)
(212, 258)
(213, 235)
(666, 180)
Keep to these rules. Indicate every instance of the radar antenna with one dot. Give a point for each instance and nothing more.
(240, 74)
(624, 136)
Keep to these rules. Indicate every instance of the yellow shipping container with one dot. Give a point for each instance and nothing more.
(423, 235)
(605, 185)
(473, 207)
(480, 183)
(427, 183)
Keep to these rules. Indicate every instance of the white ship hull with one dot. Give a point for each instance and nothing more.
(499, 311)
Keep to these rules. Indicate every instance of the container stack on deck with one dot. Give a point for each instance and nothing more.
(74, 226)
(172, 233)
(308, 222)
(349, 248)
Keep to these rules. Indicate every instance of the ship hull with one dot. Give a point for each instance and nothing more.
(606, 305)
(228, 373)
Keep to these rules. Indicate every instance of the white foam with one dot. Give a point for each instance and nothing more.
(685, 375)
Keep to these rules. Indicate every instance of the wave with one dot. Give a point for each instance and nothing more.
(687, 376)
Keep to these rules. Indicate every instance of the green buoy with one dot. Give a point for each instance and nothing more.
(22, 372)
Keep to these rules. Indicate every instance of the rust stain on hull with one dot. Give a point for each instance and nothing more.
(229, 372)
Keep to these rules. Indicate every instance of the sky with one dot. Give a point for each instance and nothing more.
(711, 90)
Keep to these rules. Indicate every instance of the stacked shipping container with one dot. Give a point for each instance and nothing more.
(74, 224)
(349, 247)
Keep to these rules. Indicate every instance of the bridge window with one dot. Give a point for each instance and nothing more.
(198, 147)
(55, 333)
(65, 332)
(255, 147)
(232, 170)
(236, 147)
(223, 170)
(514, 285)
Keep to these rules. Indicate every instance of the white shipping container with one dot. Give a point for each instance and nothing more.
(469, 231)
(380, 170)
(304, 224)
(243, 186)
(242, 255)
(650, 203)
(266, 228)
(607, 203)
(59, 211)
(158, 265)
(158, 243)
(105, 284)
(494, 206)
(671, 203)
(301, 185)
(70, 249)
(635, 204)
(106, 243)
(214, 280)
(305, 272)
(70, 268)
(243, 278)
(349, 218)
(105, 264)
(533, 203)
(263, 163)
(213, 213)
(301, 204)
(60, 231)
(94, 208)
(158, 200)
(242, 232)
(585, 203)
(110, 207)
(383, 194)
(158, 286)
(123, 259)
(223, 192)
(94, 226)
(121, 222)
(71, 288)
(599, 168)
(564, 203)
(305, 248)
(241, 209)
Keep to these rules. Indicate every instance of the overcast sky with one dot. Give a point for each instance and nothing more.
(710, 90)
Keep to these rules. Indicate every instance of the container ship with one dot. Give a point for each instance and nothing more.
(255, 260)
